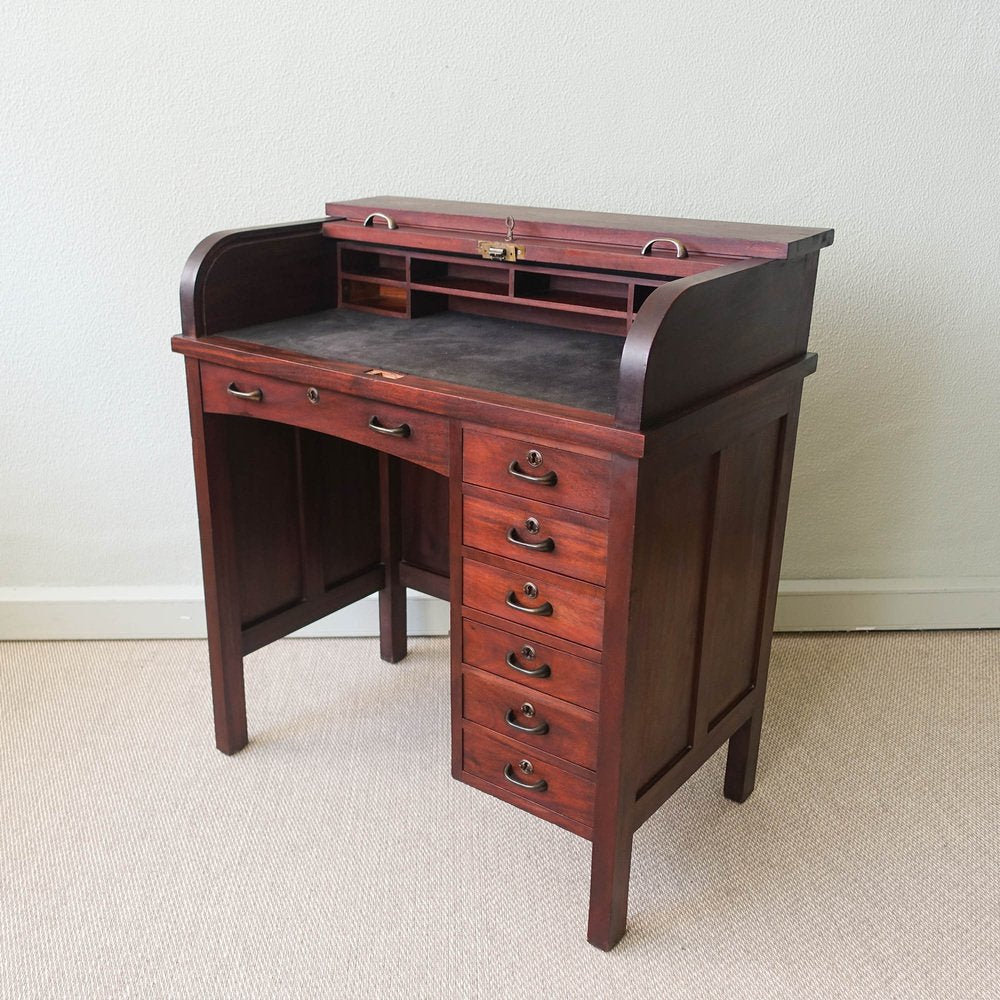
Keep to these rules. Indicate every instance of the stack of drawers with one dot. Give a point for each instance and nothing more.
(534, 564)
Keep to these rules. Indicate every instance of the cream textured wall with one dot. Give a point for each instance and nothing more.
(129, 130)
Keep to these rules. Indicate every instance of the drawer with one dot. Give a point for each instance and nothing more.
(538, 471)
(558, 674)
(560, 606)
(553, 538)
(411, 434)
(564, 730)
(494, 759)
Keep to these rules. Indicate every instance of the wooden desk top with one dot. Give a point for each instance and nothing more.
(738, 239)
(567, 367)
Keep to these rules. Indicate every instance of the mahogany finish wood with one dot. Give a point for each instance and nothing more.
(392, 596)
(486, 756)
(424, 516)
(425, 441)
(570, 608)
(737, 239)
(577, 480)
(570, 732)
(641, 645)
(518, 656)
(565, 541)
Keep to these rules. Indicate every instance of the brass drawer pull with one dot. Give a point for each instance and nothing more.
(255, 394)
(389, 223)
(543, 671)
(542, 609)
(681, 249)
(533, 786)
(402, 431)
(549, 479)
(540, 730)
(545, 545)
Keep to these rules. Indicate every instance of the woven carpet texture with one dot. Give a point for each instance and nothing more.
(336, 857)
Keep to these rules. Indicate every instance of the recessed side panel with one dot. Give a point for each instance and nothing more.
(738, 571)
(264, 497)
(673, 522)
(425, 518)
(341, 527)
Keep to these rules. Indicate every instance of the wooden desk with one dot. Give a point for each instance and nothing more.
(582, 441)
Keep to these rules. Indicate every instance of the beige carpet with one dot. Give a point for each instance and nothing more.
(335, 857)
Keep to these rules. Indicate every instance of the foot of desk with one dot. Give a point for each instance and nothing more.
(228, 696)
(609, 876)
(741, 760)
(392, 622)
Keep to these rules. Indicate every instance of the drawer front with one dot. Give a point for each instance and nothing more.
(493, 759)
(537, 471)
(552, 538)
(411, 434)
(514, 710)
(570, 608)
(556, 673)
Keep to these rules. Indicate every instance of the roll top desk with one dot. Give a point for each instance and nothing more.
(578, 428)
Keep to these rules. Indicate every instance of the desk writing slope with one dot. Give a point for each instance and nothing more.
(578, 428)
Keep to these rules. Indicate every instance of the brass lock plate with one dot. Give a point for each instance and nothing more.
(500, 250)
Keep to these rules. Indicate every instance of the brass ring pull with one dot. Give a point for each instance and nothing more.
(533, 786)
(542, 609)
(549, 479)
(543, 671)
(681, 249)
(540, 730)
(545, 545)
(402, 431)
(255, 394)
(390, 223)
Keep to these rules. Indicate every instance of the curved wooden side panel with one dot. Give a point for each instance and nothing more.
(241, 277)
(698, 337)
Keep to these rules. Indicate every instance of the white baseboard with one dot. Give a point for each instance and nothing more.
(178, 612)
(171, 613)
(845, 605)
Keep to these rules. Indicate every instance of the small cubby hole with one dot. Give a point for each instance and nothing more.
(639, 295)
(562, 289)
(485, 279)
(372, 264)
(372, 295)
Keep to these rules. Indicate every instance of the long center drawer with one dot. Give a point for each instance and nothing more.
(411, 434)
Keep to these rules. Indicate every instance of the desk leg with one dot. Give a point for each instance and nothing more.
(744, 744)
(392, 596)
(614, 806)
(741, 759)
(611, 865)
(215, 522)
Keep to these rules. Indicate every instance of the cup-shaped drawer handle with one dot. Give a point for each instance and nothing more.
(543, 671)
(389, 222)
(678, 246)
(545, 545)
(548, 479)
(540, 729)
(533, 786)
(544, 609)
(255, 394)
(402, 431)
